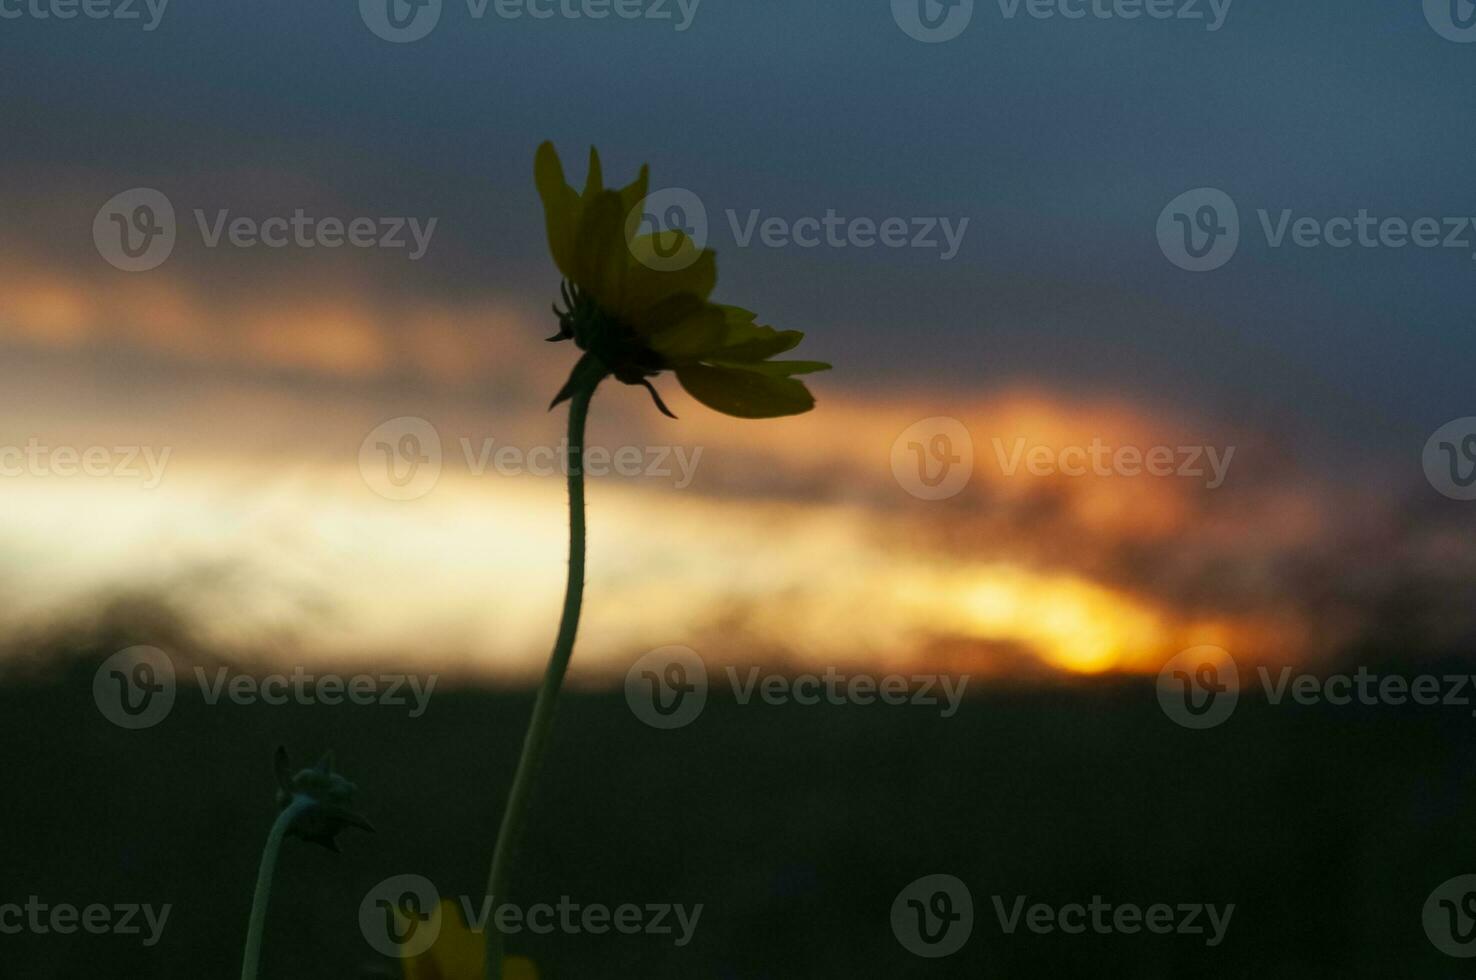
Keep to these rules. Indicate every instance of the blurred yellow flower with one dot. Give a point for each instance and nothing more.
(638, 304)
(458, 953)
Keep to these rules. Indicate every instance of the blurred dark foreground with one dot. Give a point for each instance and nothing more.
(794, 828)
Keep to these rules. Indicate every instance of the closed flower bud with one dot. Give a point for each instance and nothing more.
(324, 800)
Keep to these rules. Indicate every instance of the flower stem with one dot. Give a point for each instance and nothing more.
(263, 895)
(515, 816)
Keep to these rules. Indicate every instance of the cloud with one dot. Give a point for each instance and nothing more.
(794, 540)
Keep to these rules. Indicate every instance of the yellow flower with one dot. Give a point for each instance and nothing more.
(638, 305)
(458, 953)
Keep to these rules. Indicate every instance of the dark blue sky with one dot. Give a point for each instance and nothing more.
(1061, 141)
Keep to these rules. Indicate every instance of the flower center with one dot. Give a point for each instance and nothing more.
(610, 340)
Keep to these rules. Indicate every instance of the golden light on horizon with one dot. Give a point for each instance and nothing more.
(475, 571)
(847, 568)
(1069, 623)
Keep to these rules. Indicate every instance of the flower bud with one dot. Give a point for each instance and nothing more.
(325, 801)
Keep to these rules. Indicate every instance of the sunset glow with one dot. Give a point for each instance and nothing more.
(469, 575)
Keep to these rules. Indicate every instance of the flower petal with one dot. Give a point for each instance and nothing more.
(600, 260)
(744, 393)
(458, 953)
(758, 344)
(774, 369)
(561, 207)
(683, 329)
(594, 181)
(746, 341)
(665, 265)
(634, 193)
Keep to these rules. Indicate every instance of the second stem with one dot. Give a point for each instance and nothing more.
(261, 900)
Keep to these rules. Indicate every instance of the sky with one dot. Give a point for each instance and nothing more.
(1039, 165)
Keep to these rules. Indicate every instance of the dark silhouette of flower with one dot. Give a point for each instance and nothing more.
(325, 800)
(638, 305)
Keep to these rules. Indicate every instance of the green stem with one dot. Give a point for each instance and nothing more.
(536, 740)
(263, 895)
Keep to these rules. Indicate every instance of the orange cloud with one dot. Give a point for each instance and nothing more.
(794, 539)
